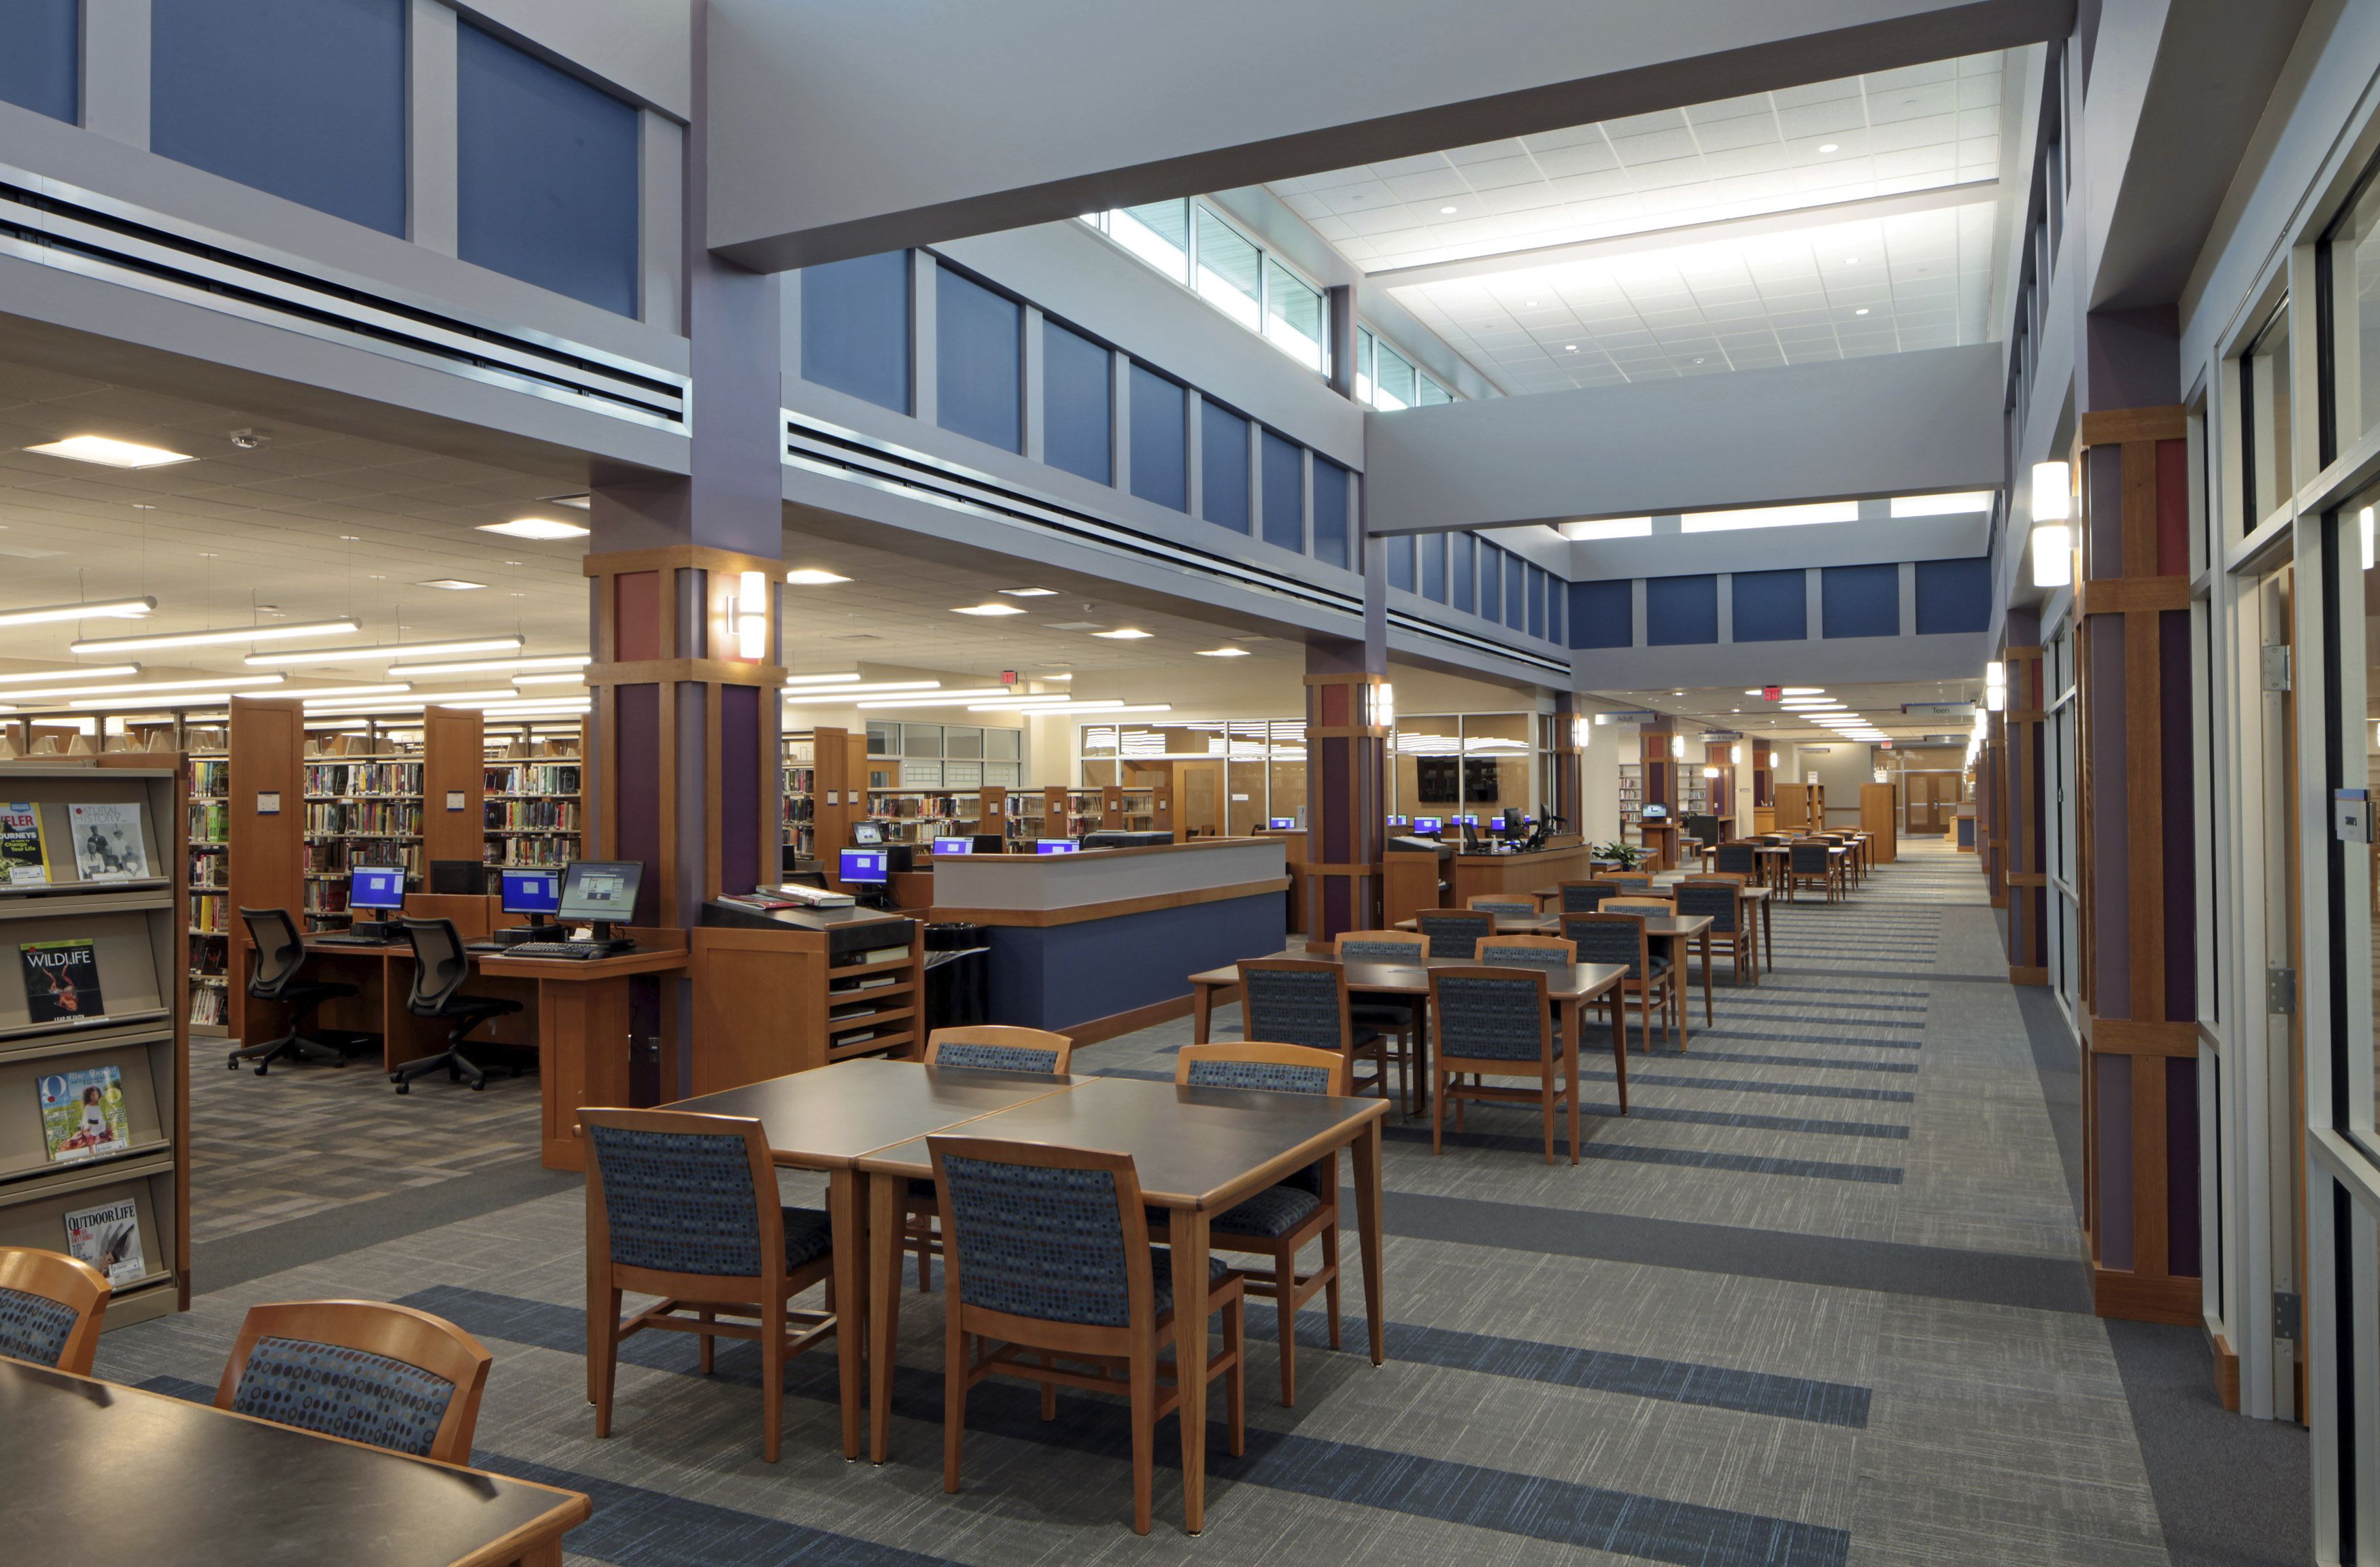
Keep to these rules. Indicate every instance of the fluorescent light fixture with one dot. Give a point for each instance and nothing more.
(1735, 755)
(208, 638)
(1711, 773)
(1124, 634)
(88, 672)
(549, 680)
(1223, 653)
(938, 699)
(370, 703)
(1769, 516)
(1053, 678)
(1608, 528)
(214, 682)
(493, 666)
(811, 577)
(826, 679)
(110, 454)
(452, 584)
(120, 701)
(2364, 520)
(350, 693)
(1995, 674)
(2053, 553)
(388, 651)
(1031, 593)
(534, 528)
(1802, 690)
(1942, 506)
(1996, 699)
(97, 609)
(1045, 707)
(749, 611)
(989, 608)
(872, 688)
(2053, 492)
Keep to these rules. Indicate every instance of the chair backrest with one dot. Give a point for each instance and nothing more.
(1730, 877)
(1527, 951)
(674, 1193)
(1610, 937)
(1628, 880)
(51, 1308)
(1454, 932)
(1278, 1069)
(1642, 905)
(1295, 1001)
(999, 1047)
(1811, 859)
(386, 1375)
(1380, 946)
(1736, 858)
(1585, 897)
(1038, 1231)
(280, 951)
(1720, 900)
(1489, 1014)
(1503, 903)
(439, 965)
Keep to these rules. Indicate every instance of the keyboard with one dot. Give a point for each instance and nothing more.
(350, 942)
(582, 951)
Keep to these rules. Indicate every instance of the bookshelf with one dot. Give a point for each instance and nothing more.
(534, 810)
(1053, 812)
(919, 815)
(797, 795)
(208, 858)
(360, 811)
(136, 927)
(1632, 802)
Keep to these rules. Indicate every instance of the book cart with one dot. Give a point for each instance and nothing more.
(136, 929)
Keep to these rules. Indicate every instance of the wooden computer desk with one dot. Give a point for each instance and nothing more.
(583, 1030)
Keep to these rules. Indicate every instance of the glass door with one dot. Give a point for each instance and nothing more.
(2284, 1053)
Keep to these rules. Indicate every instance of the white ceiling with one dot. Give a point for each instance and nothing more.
(1881, 703)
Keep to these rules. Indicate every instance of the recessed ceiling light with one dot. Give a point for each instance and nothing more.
(452, 584)
(988, 609)
(1446, 209)
(534, 528)
(1850, 260)
(1570, 347)
(1223, 653)
(1861, 312)
(1030, 592)
(1125, 633)
(110, 454)
(1830, 147)
(811, 577)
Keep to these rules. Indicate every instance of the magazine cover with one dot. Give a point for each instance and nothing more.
(108, 841)
(61, 981)
(82, 1114)
(23, 858)
(108, 1237)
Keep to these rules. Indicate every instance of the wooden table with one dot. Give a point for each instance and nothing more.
(382, 975)
(824, 1119)
(1506, 924)
(583, 1032)
(1198, 1152)
(100, 1473)
(1763, 932)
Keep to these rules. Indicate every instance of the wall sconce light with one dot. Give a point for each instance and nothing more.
(1678, 746)
(1711, 773)
(1735, 755)
(2053, 540)
(749, 613)
(1384, 706)
(1579, 730)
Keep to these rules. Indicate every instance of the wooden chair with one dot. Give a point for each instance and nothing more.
(1495, 1023)
(1630, 881)
(1454, 932)
(1050, 1254)
(1612, 936)
(1301, 1207)
(1398, 1019)
(1721, 897)
(1294, 1000)
(387, 1376)
(990, 1047)
(1736, 858)
(1584, 897)
(1528, 951)
(51, 1308)
(1810, 860)
(1509, 905)
(685, 1207)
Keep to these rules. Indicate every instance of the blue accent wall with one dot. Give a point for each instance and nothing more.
(1772, 606)
(978, 363)
(40, 54)
(1861, 601)
(1400, 547)
(1161, 439)
(856, 328)
(1223, 467)
(1556, 602)
(1432, 549)
(1077, 404)
(1681, 610)
(1491, 582)
(1333, 495)
(304, 99)
(1517, 592)
(1062, 975)
(1462, 556)
(1954, 595)
(547, 170)
(1284, 493)
(1602, 614)
(1538, 581)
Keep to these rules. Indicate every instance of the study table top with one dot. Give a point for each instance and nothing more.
(103, 1473)
(824, 1118)
(1578, 981)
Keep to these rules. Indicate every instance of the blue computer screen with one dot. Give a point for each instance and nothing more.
(1055, 846)
(865, 865)
(1283, 823)
(953, 845)
(1427, 824)
(375, 888)
(531, 891)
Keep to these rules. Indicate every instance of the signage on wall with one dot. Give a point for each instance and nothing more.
(1625, 717)
(1883, 745)
(1938, 710)
(1816, 751)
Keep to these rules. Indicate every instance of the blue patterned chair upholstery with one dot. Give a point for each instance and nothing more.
(52, 1306)
(1498, 1018)
(1411, 949)
(33, 1327)
(683, 1203)
(1523, 909)
(1454, 933)
(996, 1058)
(1717, 899)
(1605, 940)
(1047, 1244)
(1299, 1006)
(1585, 897)
(1495, 1023)
(1502, 955)
(1811, 862)
(1736, 859)
(1630, 881)
(336, 1392)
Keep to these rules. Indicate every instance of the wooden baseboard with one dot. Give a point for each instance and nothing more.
(2227, 1371)
(1094, 1030)
(2179, 1301)
(2021, 974)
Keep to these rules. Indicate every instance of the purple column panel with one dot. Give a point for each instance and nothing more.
(2114, 1085)
(640, 791)
(2109, 845)
(739, 803)
(2183, 1250)
(2181, 840)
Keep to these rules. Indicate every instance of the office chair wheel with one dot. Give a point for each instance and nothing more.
(478, 1083)
(261, 1067)
(234, 1062)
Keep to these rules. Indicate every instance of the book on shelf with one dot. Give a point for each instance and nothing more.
(61, 980)
(108, 841)
(885, 955)
(82, 1114)
(108, 1237)
(24, 851)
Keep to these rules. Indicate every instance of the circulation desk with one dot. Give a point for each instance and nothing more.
(1094, 944)
(1515, 875)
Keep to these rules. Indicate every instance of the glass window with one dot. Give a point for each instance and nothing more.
(1157, 233)
(1231, 271)
(1365, 344)
(921, 739)
(1393, 378)
(961, 741)
(1432, 394)
(1293, 319)
(2355, 312)
(1003, 743)
(2358, 557)
(2264, 420)
(1459, 552)
(1492, 581)
(1400, 561)
(884, 737)
(1433, 567)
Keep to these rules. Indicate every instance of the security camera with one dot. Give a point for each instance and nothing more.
(247, 439)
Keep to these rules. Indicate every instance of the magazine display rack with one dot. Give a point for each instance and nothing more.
(209, 859)
(94, 1032)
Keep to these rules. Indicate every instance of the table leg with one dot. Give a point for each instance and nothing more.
(1367, 1160)
(1619, 999)
(883, 1306)
(1202, 1006)
(848, 1213)
(1188, 1233)
(1570, 1068)
(1708, 1021)
(1769, 933)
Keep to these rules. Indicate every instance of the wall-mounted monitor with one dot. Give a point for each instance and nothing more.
(1428, 824)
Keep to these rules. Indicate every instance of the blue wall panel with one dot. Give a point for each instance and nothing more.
(1516, 592)
(1602, 614)
(1557, 608)
(1399, 550)
(305, 99)
(856, 328)
(1861, 601)
(1332, 495)
(1772, 606)
(1077, 404)
(1161, 439)
(1223, 467)
(1491, 582)
(41, 52)
(978, 363)
(1954, 595)
(1462, 553)
(1680, 610)
(1285, 492)
(1432, 549)
(1069, 974)
(547, 173)
(1538, 580)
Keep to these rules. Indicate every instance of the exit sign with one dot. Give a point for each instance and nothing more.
(1008, 677)
(1772, 693)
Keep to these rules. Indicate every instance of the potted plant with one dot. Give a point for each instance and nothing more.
(1626, 856)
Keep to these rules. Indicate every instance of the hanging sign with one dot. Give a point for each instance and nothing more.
(1772, 693)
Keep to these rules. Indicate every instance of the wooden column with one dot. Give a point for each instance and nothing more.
(454, 787)
(2020, 823)
(1346, 804)
(265, 816)
(1569, 765)
(2140, 1035)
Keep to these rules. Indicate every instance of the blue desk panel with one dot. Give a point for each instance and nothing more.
(1063, 975)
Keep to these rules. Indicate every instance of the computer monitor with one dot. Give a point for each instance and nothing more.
(1428, 824)
(1472, 820)
(1056, 846)
(1400, 822)
(375, 888)
(1512, 828)
(531, 893)
(954, 846)
(1656, 813)
(600, 890)
(866, 867)
(867, 834)
(1283, 823)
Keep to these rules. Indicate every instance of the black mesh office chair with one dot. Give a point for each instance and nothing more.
(280, 954)
(438, 970)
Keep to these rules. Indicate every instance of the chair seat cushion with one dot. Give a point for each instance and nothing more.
(809, 1234)
(1276, 1210)
(1161, 1275)
(1380, 1015)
